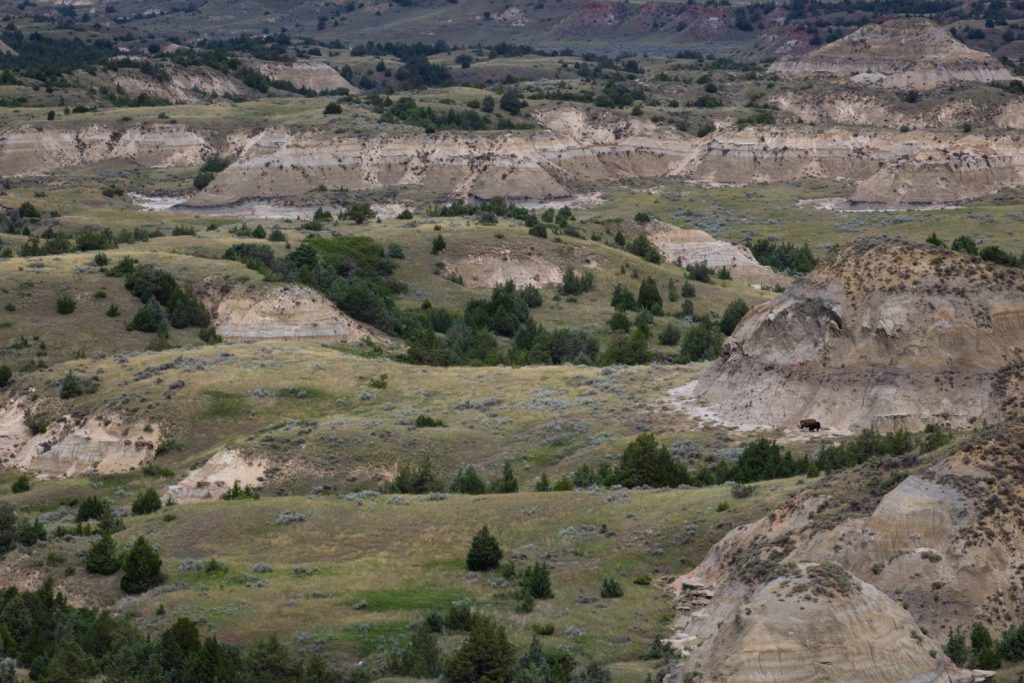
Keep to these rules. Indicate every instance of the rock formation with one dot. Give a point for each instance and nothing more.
(182, 85)
(218, 474)
(687, 247)
(902, 53)
(940, 551)
(285, 311)
(313, 76)
(484, 270)
(885, 334)
(73, 446)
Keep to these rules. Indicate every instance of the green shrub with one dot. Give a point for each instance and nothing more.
(484, 552)
(66, 305)
(146, 502)
(102, 556)
(5, 376)
(113, 311)
(507, 483)
(543, 629)
(91, 508)
(141, 568)
(733, 315)
(70, 387)
(21, 484)
(425, 421)
(459, 617)
(535, 581)
(611, 588)
(438, 245)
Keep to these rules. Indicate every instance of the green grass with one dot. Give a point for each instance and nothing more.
(379, 567)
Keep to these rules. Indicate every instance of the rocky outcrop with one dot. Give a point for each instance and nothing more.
(885, 335)
(312, 76)
(485, 270)
(212, 480)
(285, 311)
(180, 85)
(37, 150)
(73, 446)
(689, 247)
(7, 50)
(940, 551)
(938, 177)
(902, 53)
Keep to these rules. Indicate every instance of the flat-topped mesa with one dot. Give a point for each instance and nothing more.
(884, 335)
(902, 53)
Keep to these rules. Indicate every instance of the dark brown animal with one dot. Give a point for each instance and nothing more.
(810, 425)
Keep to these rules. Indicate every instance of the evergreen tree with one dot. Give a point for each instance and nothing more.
(141, 568)
(649, 298)
(733, 315)
(646, 463)
(486, 656)
(956, 648)
(102, 557)
(146, 502)
(507, 483)
(533, 666)
(535, 581)
(468, 481)
(484, 552)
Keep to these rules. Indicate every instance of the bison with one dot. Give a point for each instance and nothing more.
(810, 425)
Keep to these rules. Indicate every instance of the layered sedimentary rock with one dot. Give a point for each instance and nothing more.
(688, 247)
(940, 551)
(884, 335)
(573, 150)
(902, 53)
(32, 150)
(285, 311)
(71, 446)
(313, 76)
(181, 85)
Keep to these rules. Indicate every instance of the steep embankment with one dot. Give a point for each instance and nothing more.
(689, 247)
(902, 53)
(175, 84)
(38, 150)
(941, 550)
(885, 334)
(575, 149)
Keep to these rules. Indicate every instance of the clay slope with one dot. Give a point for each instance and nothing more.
(687, 247)
(36, 150)
(285, 311)
(73, 446)
(212, 480)
(312, 76)
(885, 334)
(188, 85)
(940, 551)
(902, 53)
(6, 49)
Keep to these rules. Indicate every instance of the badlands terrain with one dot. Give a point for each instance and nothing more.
(574, 342)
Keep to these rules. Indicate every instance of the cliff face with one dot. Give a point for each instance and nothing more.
(572, 150)
(31, 150)
(884, 335)
(903, 53)
(939, 551)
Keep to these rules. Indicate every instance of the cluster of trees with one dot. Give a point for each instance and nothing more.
(982, 652)
(46, 59)
(647, 463)
(991, 253)
(785, 257)
(355, 273)
(405, 110)
(52, 241)
(158, 288)
(57, 643)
